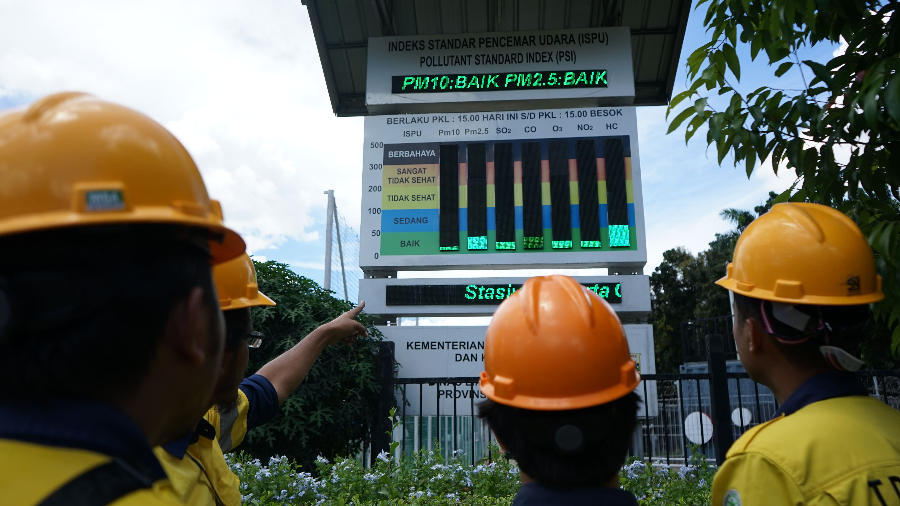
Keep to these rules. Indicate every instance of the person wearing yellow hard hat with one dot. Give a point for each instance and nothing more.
(560, 383)
(803, 276)
(111, 336)
(195, 462)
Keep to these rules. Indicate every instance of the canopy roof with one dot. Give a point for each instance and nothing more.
(342, 29)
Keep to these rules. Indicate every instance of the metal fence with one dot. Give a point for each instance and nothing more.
(683, 420)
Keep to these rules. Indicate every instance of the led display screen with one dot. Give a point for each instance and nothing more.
(502, 81)
(476, 294)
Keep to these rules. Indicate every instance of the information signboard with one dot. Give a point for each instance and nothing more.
(541, 188)
(500, 71)
(458, 352)
(628, 295)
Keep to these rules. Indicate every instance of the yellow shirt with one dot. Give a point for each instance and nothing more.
(31, 472)
(838, 451)
(46, 444)
(197, 467)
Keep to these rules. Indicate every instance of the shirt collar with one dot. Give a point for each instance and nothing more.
(536, 494)
(180, 446)
(826, 385)
(82, 424)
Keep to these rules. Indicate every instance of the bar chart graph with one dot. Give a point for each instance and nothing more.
(504, 196)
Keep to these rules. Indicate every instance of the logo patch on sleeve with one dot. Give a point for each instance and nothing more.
(732, 498)
(104, 200)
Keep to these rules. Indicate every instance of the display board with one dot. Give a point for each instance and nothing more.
(519, 189)
(499, 71)
(458, 352)
(628, 295)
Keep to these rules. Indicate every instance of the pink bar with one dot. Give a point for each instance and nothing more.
(517, 172)
(601, 169)
(463, 176)
(490, 172)
(573, 171)
(545, 171)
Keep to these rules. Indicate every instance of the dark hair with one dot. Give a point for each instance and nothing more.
(545, 443)
(238, 324)
(82, 310)
(846, 324)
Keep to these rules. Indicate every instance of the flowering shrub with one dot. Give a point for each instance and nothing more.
(425, 478)
(422, 478)
(659, 484)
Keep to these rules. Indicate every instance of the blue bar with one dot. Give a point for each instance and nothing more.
(410, 220)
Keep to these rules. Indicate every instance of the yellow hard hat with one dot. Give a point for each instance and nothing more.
(555, 345)
(236, 284)
(71, 159)
(804, 254)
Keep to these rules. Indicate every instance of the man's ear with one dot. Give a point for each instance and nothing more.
(756, 336)
(186, 334)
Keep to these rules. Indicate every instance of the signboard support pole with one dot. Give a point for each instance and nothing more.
(382, 426)
(329, 224)
(718, 390)
(340, 248)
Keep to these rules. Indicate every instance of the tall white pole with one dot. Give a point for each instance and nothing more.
(337, 223)
(329, 213)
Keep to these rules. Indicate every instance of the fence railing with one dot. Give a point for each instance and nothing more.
(678, 417)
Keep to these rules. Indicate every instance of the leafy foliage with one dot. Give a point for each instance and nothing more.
(425, 478)
(332, 411)
(683, 287)
(840, 134)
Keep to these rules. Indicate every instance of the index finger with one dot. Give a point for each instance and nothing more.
(353, 313)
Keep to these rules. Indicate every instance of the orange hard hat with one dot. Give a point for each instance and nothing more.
(804, 254)
(236, 284)
(72, 160)
(555, 345)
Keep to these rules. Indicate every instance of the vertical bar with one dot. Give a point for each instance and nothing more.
(449, 189)
(616, 193)
(684, 445)
(337, 229)
(700, 410)
(560, 197)
(532, 202)
(740, 406)
(476, 186)
(403, 441)
(382, 427)
(329, 224)
(718, 390)
(504, 197)
(759, 419)
(588, 199)
(472, 417)
(648, 436)
(662, 406)
(455, 428)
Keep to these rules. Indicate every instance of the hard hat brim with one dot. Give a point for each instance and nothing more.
(224, 243)
(813, 300)
(562, 403)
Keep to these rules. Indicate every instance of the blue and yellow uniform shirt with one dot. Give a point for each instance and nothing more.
(45, 445)
(196, 463)
(829, 444)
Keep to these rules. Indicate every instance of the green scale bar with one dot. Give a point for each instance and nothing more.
(449, 248)
(505, 245)
(590, 244)
(477, 242)
(561, 244)
(533, 242)
(619, 236)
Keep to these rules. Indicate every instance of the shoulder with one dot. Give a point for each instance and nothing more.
(30, 472)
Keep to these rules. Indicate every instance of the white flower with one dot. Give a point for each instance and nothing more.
(322, 460)
(383, 456)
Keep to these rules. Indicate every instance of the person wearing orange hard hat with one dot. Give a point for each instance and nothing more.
(195, 462)
(111, 336)
(803, 277)
(560, 383)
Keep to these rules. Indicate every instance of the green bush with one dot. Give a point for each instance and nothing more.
(332, 411)
(424, 478)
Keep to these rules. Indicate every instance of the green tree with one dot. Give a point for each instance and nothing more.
(673, 301)
(840, 134)
(331, 413)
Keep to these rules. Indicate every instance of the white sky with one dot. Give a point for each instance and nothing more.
(241, 85)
